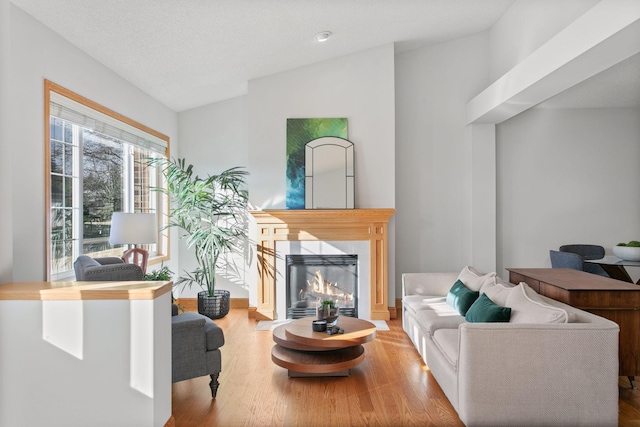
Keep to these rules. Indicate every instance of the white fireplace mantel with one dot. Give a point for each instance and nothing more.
(323, 225)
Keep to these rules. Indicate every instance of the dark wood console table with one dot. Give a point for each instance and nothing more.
(609, 298)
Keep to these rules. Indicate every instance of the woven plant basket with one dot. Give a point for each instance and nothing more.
(215, 307)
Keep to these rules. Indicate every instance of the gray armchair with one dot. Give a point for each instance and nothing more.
(106, 269)
(195, 348)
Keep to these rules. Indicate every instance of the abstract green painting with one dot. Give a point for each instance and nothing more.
(299, 132)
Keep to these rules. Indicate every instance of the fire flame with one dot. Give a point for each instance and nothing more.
(319, 285)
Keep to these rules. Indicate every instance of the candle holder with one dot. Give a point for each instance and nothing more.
(319, 325)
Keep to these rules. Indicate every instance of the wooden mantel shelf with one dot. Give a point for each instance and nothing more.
(323, 225)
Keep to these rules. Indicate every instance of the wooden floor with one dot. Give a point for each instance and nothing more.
(392, 387)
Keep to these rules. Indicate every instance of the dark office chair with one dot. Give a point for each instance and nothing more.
(587, 252)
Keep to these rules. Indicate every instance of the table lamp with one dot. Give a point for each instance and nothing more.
(134, 229)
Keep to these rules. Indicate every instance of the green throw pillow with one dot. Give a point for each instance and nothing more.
(460, 297)
(485, 310)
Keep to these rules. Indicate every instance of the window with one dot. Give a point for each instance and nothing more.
(95, 166)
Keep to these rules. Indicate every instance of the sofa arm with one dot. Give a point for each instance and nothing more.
(433, 284)
(548, 374)
(187, 335)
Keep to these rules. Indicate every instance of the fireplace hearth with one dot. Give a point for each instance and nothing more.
(311, 279)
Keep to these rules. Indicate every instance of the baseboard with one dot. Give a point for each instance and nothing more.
(393, 313)
(398, 305)
(191, 304)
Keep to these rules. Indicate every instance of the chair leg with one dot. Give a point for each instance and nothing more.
(214, 384)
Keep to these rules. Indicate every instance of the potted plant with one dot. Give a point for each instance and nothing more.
(211, 215)
(628, 251)
(162, 275)
(328, 310)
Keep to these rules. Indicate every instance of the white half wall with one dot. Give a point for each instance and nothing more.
(85, 363)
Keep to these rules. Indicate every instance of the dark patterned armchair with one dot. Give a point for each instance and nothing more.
(107, 269)
(195, 348)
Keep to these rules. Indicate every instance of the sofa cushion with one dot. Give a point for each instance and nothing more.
(440, 317)
(447, 341)
(485, 310)
(460, 297)
(421, 302)
(473, 279)
(497, 290)
(527, 307)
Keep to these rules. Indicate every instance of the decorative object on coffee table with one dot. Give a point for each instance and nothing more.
(328, 310)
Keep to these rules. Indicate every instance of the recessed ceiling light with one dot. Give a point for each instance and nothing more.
(323, 36)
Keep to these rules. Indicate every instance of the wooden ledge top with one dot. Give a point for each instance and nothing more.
(61, 291)
(570, 279)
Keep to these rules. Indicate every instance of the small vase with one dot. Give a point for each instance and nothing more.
(329, 313)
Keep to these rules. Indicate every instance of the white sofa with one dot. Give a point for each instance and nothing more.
(526, 372)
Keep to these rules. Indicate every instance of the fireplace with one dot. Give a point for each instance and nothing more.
(311, 279)
(360, 231)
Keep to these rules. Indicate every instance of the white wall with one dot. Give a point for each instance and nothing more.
(6, 242)
(526, 26)
(566, 176)
(37, 54)
(359, 87)
(251, 131)
(433, 153)
(214, 138)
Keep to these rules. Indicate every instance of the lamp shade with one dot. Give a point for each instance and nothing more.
(133, 228)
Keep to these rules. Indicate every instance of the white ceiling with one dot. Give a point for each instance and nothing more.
(188, 53)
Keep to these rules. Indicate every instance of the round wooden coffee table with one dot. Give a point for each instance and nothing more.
(307, 353)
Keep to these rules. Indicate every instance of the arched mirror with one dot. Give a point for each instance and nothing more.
(329, 174)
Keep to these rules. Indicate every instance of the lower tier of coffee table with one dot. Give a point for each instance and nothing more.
(317, 363)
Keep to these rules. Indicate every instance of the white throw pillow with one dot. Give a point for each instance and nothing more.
(472, 279)
(497, 290)
(526, 307)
